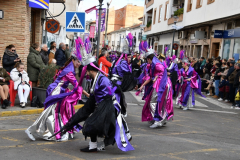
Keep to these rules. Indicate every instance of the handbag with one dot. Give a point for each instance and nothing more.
(36, 102)
(237, 97)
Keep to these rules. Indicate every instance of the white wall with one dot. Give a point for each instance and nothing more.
(216, 10)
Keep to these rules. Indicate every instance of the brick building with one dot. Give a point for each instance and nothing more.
(123, 18)
(20, 26)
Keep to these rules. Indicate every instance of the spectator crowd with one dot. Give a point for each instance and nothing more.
(220, 78)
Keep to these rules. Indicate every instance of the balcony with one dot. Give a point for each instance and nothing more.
(147, 29)
(149, 3)
(171, 20)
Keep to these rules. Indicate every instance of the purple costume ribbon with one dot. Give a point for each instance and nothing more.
(50, 100)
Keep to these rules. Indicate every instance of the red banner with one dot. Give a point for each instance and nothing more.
(92, 31)
(91, 9)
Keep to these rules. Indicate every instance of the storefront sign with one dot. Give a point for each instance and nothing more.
(103, 15)
(193, 41)
(231, 33)
(41, 4)
(218, 34)
(144, 37)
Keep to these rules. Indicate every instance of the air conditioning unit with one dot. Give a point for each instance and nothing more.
(181, 35)
(192, 36)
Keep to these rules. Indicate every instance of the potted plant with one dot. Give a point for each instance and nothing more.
(149, 23)
(45, 78)
(178, 12)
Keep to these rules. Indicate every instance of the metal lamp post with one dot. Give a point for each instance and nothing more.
(119, 42)
(108, 4)
(175, 22)
(99, 27)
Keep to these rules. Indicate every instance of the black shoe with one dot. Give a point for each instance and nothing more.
(88, 150)
(4, 106)
(6, 102)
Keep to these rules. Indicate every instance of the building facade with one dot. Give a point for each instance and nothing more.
(200, 20)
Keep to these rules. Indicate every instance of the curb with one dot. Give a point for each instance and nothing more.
(28, 112)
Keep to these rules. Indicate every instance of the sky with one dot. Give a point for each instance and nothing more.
(117, 4)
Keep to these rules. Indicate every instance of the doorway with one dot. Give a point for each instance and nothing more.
(215, 50)
(205, 51)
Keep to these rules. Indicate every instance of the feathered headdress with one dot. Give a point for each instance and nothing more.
(81, 53)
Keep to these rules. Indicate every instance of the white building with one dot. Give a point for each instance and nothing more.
(202, 20)
(119, 35)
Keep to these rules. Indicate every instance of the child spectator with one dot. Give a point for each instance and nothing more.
(21, 82)
(222, 84)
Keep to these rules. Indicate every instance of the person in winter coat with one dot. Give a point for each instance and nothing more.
(103, 63)
(222, 85)
(34, 62)
(232, 89)
(10, 58)
(217, 80)
(21, 82)
(4, 90)
(209, 64)
(60, 55)
(67, 52)
(205, 79)
(44, 54)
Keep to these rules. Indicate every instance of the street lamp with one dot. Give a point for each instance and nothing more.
(175, 22)
(99, 27)
(108, 4)
(119, 42)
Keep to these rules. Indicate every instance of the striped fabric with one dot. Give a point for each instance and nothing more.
(41, 4)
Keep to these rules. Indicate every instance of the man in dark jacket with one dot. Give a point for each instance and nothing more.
(67, 52)
(60, 55)
(136, 63)
(44, 54)
(231, 69)
(231, 79)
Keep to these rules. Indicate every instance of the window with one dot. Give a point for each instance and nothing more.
(230, 25)
(155, 13)
(199, 4)
(226, 48)
(160, 14)
(237, 23)
(210, 1)
(189, 8)
(236, 49)
(166, 10)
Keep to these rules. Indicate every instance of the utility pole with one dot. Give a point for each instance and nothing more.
(99, 27)
(108, 4)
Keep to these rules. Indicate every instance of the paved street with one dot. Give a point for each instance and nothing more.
(208, 131)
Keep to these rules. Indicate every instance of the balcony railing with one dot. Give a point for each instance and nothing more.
(149, 3)
(147, 29)
(171, 20)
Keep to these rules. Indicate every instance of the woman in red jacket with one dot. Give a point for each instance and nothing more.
(103, 63)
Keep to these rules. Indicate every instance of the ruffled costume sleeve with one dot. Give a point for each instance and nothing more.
(159, 70)
(194, 79)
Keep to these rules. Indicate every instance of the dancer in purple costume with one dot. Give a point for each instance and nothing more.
(58, 105)
(158, 107)
(189, 82)
(102, 114)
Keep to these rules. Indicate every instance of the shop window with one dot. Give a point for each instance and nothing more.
(189, 7)
(226, 48)
(199, 4)
(236, 49)
(155, 14)
(166, 10)
(210, 1)
(160, 14)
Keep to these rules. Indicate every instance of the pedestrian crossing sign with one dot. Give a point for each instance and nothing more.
(75, 22)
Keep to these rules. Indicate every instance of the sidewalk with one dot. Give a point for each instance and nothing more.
(16, 110)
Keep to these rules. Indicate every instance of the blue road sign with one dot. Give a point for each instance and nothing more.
(75, 22)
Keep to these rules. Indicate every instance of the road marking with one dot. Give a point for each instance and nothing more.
(10, 139)
(63, 154)
(19, 129)
(215, 102)
(206, 110)
(169, 155)
(11, 146)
